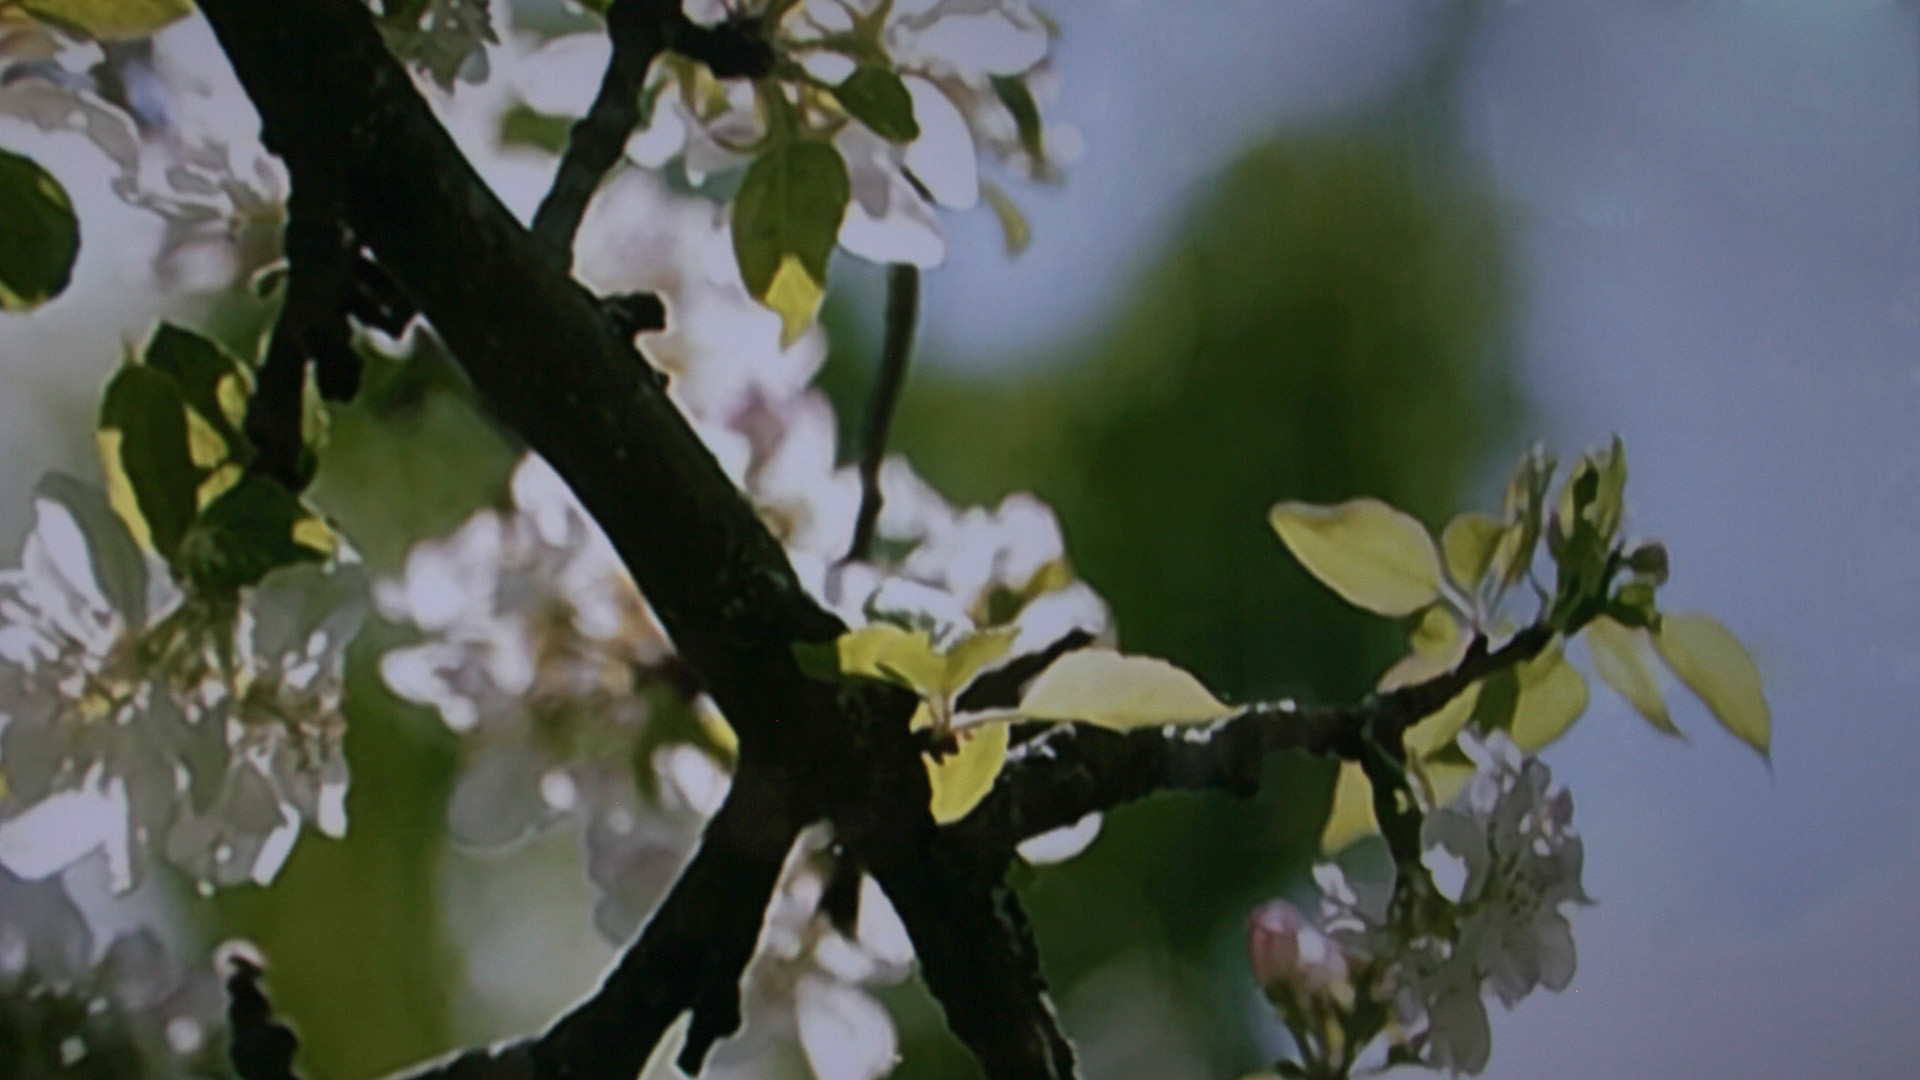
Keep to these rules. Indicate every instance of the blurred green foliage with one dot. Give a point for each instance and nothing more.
(1327, 324)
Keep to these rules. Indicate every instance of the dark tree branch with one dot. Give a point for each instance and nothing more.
(896, 353)
(312, 327)
(691, 955)
(1057, 774)
(977, 955)
(1000, 688)
(260, 1047)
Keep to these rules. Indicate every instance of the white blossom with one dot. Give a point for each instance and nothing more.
(134, 717)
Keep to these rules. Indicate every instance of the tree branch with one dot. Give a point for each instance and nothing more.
(896, 353)
(691, 955)
(1057, 774)
(638, 30)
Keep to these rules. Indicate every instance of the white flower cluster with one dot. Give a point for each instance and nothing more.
(812, 983)
(1502, 860)
(133, 1011)
(133, 717)
(754, 405)
(948, 54)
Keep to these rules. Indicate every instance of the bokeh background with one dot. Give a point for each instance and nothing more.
(1312, 249)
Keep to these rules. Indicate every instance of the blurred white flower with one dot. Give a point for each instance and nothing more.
(130, 713)
(132, 1005)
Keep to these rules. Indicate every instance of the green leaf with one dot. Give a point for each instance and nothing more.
(961, 779)
(41, 237)
(1552, 695)
(1102, 687)
(213, 384)
(877, 98)
(256, 527)
(1351, 816)
(1620, 657)
(1374, 556)
(786, 219)
(1468, 542)
(144, 446)
(1014, 94)
(1712, 662)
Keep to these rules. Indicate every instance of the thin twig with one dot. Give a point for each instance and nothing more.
(638, 29)
(896, 353)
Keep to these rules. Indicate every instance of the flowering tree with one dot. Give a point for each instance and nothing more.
(809, 716)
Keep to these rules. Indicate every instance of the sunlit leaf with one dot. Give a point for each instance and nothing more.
(1552, 695)
(1101, 687)
(908, 657)
(894, 653)
(1438, 730)
(110, 20)
(146, 452)
(786, 218)
(1374, 556)
(1351, 817)
(795, 295)
(1712, 662)
(1447, 771)
(1468, 542)
(1620, 657)
(41, 236)
(1437, 647)
(960, 780)
(877, 98)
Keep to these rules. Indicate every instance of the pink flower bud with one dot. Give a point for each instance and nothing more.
(1288, 952)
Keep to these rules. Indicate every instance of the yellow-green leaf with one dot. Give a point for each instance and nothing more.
(1712, 662)
(1468, 542)
(1351, 816)
(886, 651)
(1552, 696)
(1437, 731)
(960, 780)
(1101, 687)
(109, 20)
(1620, 657)
(795, 296)
(1374, 556)
(971, 653)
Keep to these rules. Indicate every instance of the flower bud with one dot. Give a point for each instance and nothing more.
(1288, 953)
